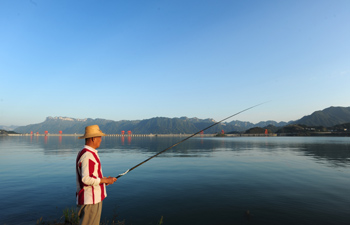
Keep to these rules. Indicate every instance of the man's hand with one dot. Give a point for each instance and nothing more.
(108, 180)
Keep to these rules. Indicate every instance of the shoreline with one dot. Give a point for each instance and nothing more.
(314, 134)
(145, 135)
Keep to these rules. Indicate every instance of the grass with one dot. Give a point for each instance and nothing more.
(71, 216)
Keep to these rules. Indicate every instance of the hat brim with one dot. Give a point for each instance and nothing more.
(92, 135)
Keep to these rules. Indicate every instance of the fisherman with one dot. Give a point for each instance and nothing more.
(91, 184)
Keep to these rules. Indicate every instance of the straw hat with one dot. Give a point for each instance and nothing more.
(92, 131)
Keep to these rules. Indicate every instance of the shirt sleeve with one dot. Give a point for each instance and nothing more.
(88, 171)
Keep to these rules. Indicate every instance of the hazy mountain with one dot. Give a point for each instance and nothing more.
(241, 125)
(8, 128)
(271, 122)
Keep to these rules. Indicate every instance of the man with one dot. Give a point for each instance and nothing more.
(91, 185)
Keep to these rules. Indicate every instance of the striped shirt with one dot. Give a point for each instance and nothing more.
(88, 177)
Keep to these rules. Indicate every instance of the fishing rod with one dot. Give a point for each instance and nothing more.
(122, 174)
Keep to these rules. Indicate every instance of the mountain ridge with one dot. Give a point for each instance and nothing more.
(328, 117)
(162, 125)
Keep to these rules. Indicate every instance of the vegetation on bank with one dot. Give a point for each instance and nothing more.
(220, 135)
(301, 130)
(5, 132)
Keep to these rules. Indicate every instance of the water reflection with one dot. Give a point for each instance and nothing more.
(335, 151)
(336, 155)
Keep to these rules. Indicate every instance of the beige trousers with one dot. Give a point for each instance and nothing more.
(90, 214)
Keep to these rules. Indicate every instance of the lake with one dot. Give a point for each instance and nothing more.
(205, 180)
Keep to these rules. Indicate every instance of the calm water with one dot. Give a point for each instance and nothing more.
(280, 180)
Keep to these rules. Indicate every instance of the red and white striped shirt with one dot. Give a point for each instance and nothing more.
(88, 175)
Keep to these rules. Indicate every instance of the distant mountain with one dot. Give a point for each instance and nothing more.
(75, 126)
(243, 126)
(157, 125)
(161, 125)
(8, 128)
(328, 117)
(271, 123)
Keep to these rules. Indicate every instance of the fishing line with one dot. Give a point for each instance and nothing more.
(122, 174)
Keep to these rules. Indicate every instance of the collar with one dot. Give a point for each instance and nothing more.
(90, 148)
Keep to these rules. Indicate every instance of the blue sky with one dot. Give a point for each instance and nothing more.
(128, 60)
